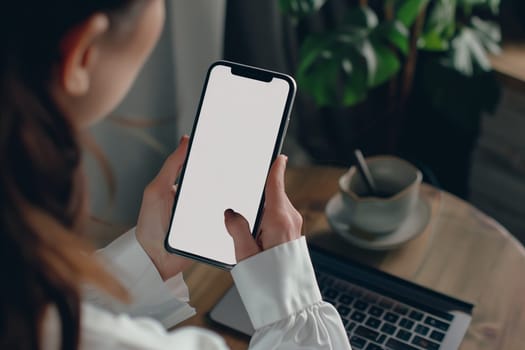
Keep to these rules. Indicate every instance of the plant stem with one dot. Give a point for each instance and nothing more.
(399, 117)
(389, 10)
(410, 66)
(394, 82)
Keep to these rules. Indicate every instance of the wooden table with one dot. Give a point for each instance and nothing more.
(510, 65)
(461, 252)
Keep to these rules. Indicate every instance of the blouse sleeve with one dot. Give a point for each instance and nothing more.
(165, 301)
(279, 290)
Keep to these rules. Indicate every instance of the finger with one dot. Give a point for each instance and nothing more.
(238, 228)
(170, 170)
(275, 189)
(174, 189)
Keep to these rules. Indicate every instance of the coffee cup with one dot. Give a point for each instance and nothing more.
(398, 184)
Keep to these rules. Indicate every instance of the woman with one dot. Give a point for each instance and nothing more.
(65, 64)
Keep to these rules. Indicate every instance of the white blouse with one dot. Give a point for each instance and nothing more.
(277, 286)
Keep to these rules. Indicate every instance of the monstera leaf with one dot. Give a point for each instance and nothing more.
(447, 20)
(338, 68)
(332, 70)
(468, 53)
(440, 26)
(491, 5)
(408, 10)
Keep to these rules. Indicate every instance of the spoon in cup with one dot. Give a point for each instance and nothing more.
(364, 171)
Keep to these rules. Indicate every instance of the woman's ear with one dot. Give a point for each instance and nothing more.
(80, 50)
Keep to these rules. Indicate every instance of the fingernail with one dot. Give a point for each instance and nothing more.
(184, 137)
(229, 212)
(285, 158)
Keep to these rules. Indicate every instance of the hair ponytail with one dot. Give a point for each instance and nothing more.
(41, 187)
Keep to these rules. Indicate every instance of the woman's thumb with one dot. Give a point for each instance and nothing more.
(239, 229)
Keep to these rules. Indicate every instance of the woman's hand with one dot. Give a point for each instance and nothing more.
(281, 222)
(155, 213)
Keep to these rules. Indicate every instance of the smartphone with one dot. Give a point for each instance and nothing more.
(239, 130)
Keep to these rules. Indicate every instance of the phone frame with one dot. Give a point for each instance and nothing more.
(252, 73)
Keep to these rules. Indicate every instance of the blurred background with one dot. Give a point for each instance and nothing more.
(438, 82)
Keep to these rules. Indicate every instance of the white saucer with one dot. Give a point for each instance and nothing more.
(337, 215)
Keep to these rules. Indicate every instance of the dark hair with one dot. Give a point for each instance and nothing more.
(41, 187)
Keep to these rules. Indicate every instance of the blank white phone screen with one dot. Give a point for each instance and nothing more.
(228, 162)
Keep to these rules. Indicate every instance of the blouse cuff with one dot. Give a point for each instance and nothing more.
(277, 283)
(165, 301)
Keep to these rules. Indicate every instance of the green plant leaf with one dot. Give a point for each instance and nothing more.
(442, 19)
(394, 33)
(300, 8)
(467, 53)
(388, 65)
(492, 5)
(318, 71)
(472, 2)
(408, 10)
(489, 34)
(334, 67)
(313, 46)
(362, 17)
(432, 41)
(320, 81)
(440, 27)
(490, 29)
(354, 80)
(366, 50)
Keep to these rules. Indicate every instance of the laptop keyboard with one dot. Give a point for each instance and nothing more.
(375, 322)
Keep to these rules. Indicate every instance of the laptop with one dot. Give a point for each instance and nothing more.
(378, 310)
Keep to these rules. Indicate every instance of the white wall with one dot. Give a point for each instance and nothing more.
(198, 35)
(167, 90)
